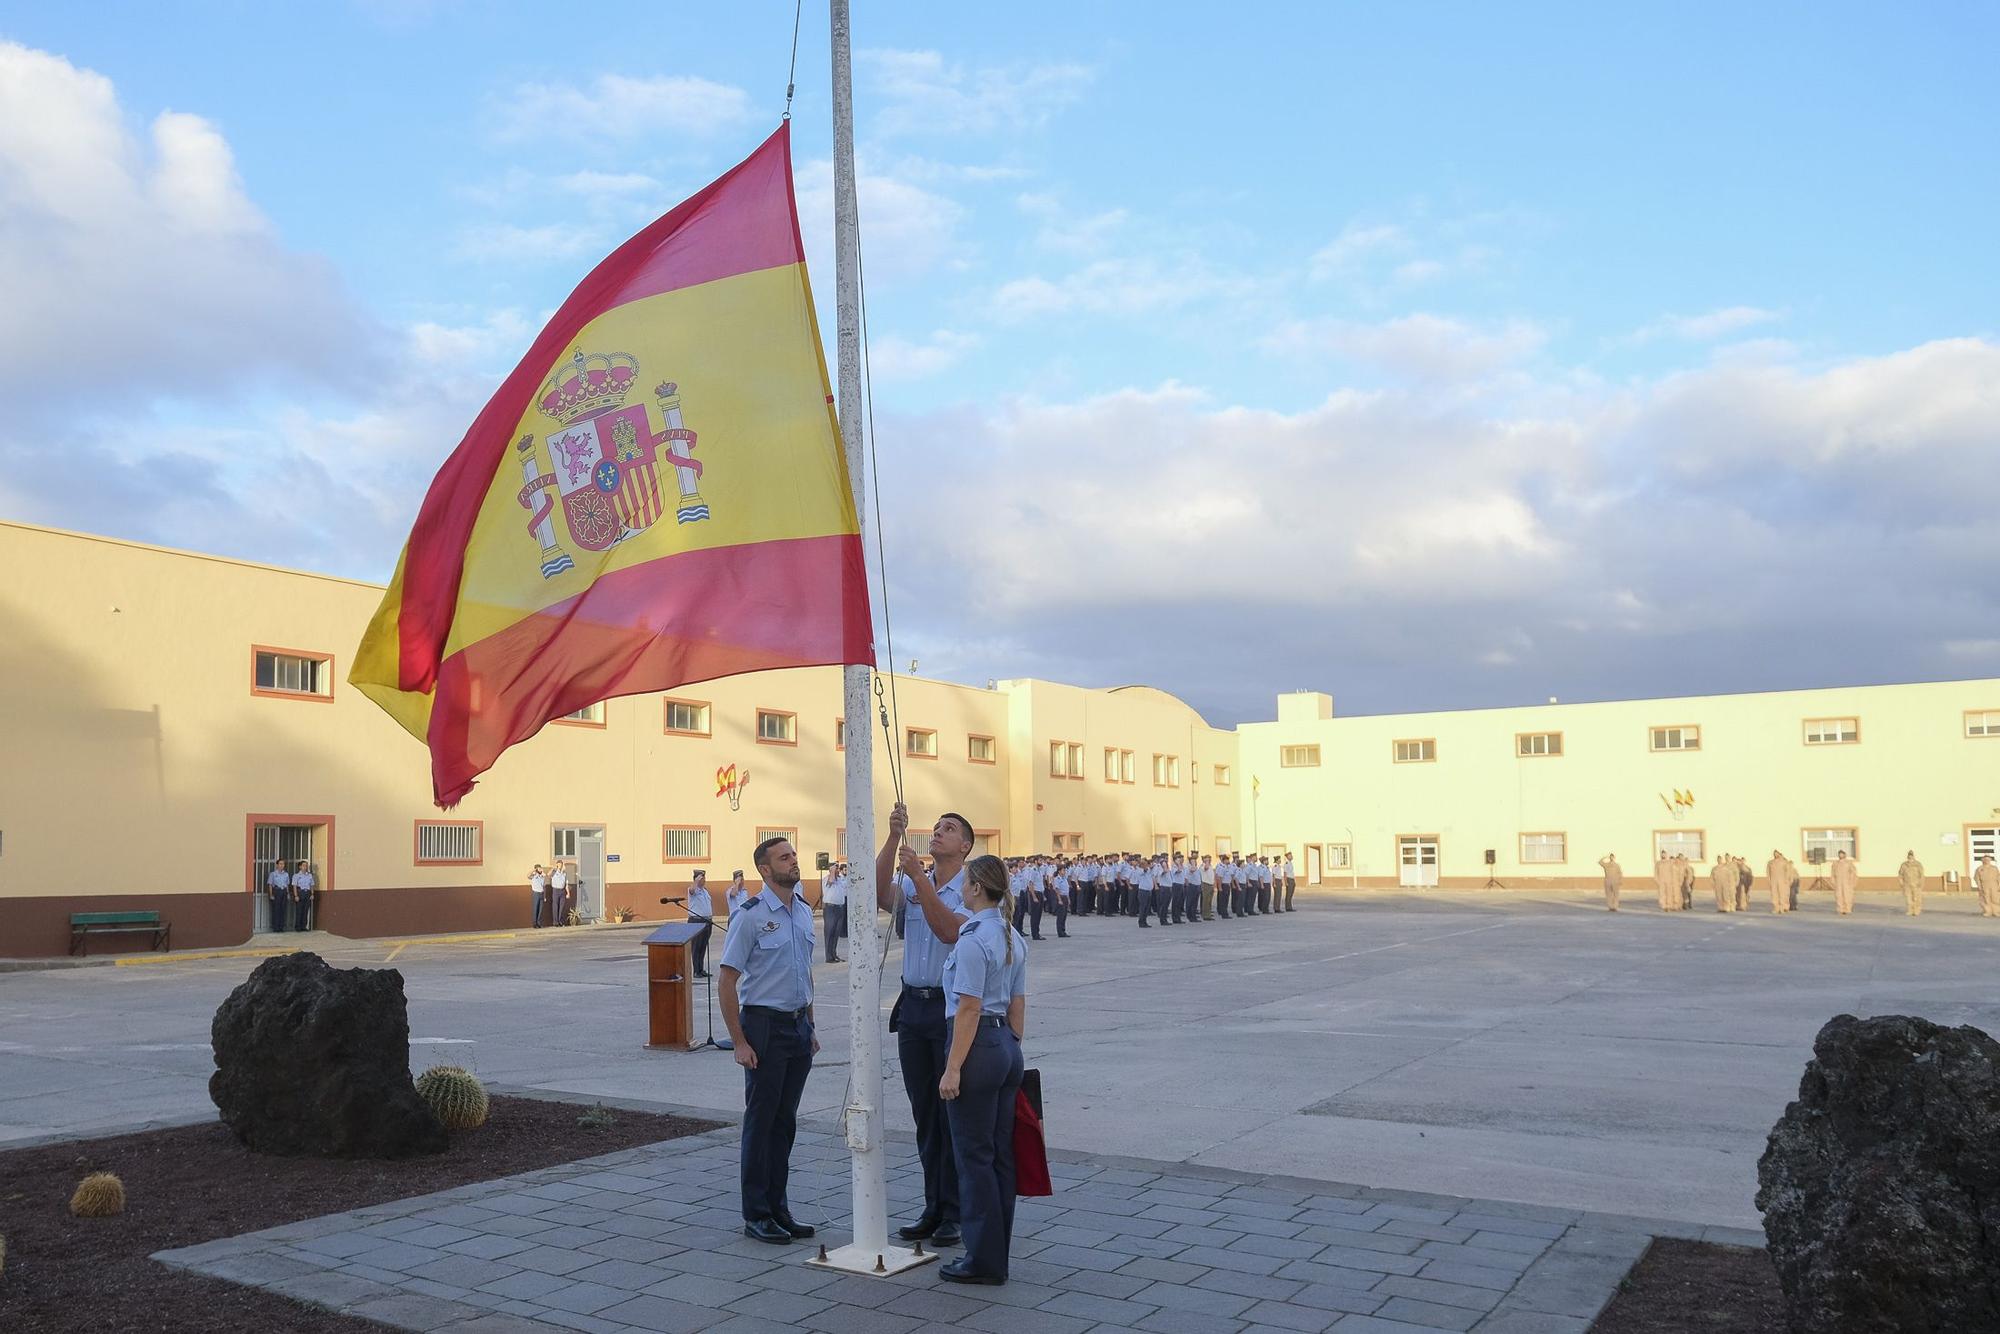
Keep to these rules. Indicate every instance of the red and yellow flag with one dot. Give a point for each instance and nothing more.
(656, 495)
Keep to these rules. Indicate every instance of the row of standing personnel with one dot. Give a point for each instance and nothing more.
(1730, 880)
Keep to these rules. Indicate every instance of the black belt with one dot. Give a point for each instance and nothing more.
(924, 993)
(775, 1012)
(992, 1021)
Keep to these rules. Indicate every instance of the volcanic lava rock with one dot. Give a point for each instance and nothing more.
(314, 1061)
(1880, 1186)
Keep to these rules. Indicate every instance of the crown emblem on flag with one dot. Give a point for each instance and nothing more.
(588, 385)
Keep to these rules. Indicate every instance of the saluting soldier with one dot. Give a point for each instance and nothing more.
(934, 909)
(1987, 880)
(1686, 880)
(766, 993)
(1844, 874)
(987, 979)
(1910, 876)
(1614, 879)
(1744, 879)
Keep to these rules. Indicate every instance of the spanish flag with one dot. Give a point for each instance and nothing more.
(656, 495)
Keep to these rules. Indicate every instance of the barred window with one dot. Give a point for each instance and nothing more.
(684, 843)
(1298, 757)
(448, 843)
(1829, 844)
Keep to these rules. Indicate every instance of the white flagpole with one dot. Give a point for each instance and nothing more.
(870, 1251)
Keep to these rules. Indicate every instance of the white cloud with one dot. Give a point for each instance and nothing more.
(906, 230)
(617, 106)
(1066, 232)
(920, 92)
(510, 243)
(1499, 542)
(144, 258)
(1708, 326)
(1419, 346)
(1137, 285)
(1358, 243)
(895, 358)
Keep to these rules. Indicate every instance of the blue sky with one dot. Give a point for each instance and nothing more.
(1472, 353)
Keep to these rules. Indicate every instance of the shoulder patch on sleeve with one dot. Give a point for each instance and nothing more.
(971, 925)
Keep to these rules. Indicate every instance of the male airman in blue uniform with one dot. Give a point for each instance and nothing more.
(766, 994)
(933, 908)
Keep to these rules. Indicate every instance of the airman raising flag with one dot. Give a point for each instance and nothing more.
(656, 495)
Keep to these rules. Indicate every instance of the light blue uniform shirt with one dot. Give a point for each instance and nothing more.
(923, 953)
(699, 904)
(771, 946)
(978, 964)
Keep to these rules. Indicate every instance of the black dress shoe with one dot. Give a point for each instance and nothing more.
(959, 1272)
(767, 1229)
(792, 1225)
(919, 1230)
(946, 1234)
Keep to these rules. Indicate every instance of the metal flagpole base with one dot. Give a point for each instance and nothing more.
(880, 1262)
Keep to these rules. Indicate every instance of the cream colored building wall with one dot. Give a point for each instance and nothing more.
(136, 749)
(1115, 817)
(1913, 781)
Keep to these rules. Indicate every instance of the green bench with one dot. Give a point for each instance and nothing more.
(84, 925)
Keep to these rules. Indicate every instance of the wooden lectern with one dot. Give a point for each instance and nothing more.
(670, 987)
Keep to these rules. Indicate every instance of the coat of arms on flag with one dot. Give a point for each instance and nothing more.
(604, 459)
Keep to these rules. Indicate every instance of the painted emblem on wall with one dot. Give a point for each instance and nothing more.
(603, 460)
(729, 782)
(1679, 804)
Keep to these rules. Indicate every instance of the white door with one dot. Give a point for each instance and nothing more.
(590, 874)
(1417, 862)
(1981, 843)
(584, 845)
(1312, 864)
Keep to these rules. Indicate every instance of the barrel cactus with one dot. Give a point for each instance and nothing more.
(455, 1095)
(99, 1195)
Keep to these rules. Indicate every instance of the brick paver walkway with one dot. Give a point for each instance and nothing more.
(649, 1239)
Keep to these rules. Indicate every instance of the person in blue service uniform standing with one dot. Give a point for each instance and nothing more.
(932, 911)
(987, 978)
(767, 965)
(701, 909)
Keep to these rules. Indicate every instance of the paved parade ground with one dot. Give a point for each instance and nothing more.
(1505, 1046)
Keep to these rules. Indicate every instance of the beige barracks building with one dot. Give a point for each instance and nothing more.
(175, 722)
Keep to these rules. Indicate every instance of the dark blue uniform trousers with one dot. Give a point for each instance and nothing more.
(982, 1135)
(923, 1040)
(783, 1044)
